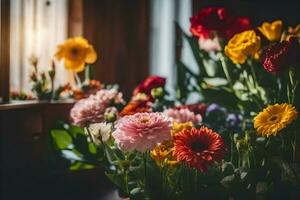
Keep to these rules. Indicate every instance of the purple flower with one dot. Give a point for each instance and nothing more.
(215, 107)
(234, 120)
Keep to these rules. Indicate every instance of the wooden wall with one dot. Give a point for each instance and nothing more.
(4, 49)
(119, 31)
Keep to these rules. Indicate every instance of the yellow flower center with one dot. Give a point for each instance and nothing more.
(144, 120)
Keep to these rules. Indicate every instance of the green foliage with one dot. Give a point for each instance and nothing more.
(61, 138)
(72, 143)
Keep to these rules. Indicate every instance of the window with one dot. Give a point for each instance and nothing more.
(37, 26)
(164, 14)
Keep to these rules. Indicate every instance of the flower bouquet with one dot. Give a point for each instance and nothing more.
(240, 142)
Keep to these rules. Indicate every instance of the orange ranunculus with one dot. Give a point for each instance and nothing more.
(76, 52)
(242, 45)
(272, 31)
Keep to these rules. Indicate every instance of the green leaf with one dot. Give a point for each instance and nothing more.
(197, 54)
(92, 148)
(72, 155)
(75, 131)
(117, 180)
(135, 191)
(182, 81)
(88, 73)
(81, 144)
(81, 166)
(221, 96)
(61, 138)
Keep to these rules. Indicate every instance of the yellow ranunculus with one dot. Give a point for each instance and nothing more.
(177, 127)
(272, 31)
(76, 52)
(242, 45)
(162, 154)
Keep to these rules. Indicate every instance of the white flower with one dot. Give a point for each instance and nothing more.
(99, 131)
(209, 45)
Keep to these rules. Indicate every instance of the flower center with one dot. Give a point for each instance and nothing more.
(198, 146)
(144, 120)
(74, 51)
(273, 118)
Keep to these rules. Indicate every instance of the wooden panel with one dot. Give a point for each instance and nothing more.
(4, 50)
(119, 30)
(75, 18)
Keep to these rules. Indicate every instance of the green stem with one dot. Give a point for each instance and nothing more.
(88, 131)
(253, 73)
(294, 146)
(225, 69)
(293, 86)
(239, 158)
(77, 80)
(145, 166)
(126, 177)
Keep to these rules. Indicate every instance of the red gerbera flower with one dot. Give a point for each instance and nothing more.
(199, 148)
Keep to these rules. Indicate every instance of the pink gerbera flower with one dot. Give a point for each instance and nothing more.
(142, 131)
(92, 109)
(183, 115)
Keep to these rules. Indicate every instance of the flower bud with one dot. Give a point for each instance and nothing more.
(110, 116)
(157, 92)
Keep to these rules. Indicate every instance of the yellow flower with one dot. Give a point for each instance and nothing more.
(295, 31)
(242, 45)
(162, 154)
(177, 127)
(274, 118)
(76, 52)
(272, 31)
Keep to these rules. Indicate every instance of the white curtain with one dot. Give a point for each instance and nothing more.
(164, 14)
(37, 27)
